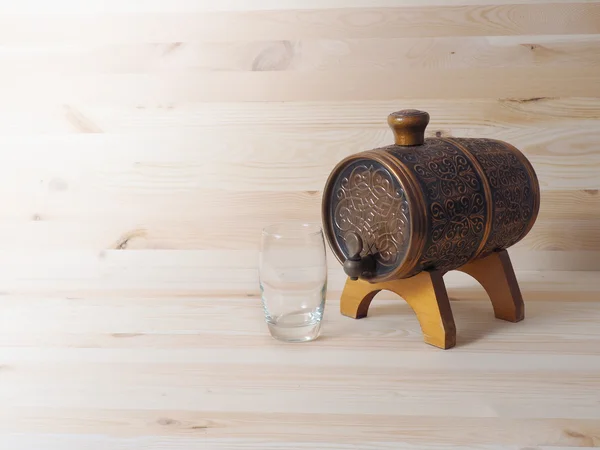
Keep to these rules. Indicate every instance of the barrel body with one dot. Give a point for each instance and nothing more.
(433, 206)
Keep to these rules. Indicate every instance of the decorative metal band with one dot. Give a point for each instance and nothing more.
(418, 213)
(328, 226)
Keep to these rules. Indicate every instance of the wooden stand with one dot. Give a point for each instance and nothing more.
(426, 294)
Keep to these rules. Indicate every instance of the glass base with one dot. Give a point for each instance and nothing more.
(295, 328)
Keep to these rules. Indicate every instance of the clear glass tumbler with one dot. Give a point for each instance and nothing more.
(293, 280)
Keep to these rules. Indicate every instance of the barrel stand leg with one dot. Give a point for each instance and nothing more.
(425, 293)
(495, 273)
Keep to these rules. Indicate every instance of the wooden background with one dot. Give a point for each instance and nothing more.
(145, 144)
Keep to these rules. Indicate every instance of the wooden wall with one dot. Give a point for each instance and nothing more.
(147, 143)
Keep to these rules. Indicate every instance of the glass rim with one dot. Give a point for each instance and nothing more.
(277, 229)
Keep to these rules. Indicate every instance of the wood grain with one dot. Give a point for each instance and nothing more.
(260, 159)
(145, 144)
(334, 85)
(457, 116)
(336, 23)
(215, 272)
(214, 234)
(114, 145)
(308, 55)
(187, 6)
(58, 441)
(178, 372)
(63, 202)
(179, 222)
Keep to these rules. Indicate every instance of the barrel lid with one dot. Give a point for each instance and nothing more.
(365, 199)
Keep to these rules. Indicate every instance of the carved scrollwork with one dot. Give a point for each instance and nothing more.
(455, 202)
(368, 201)
(470, 189)
(512, 191)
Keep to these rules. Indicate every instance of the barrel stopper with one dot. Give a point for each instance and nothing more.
(409, 126)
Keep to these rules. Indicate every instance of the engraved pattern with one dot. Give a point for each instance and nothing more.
(455, 202)
(512, 191)
(368, 201)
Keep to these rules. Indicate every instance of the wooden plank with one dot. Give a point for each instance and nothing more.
(567, 205)
(559, 235)
(194, 6)
(204, 273)
(410, 21)
(525, 259)
(88, 203)
(214, 234)
(130, 126)
(159, 360)
(99, 220)
(249, 160)
(307, 55)
(541, 372)
(96, 442)
(400, 330)
(218, 387)
(456, 116)
(339, 85)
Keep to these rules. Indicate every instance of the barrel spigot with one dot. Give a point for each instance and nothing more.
(356, 265)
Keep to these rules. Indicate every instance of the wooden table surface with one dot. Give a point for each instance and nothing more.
(180, 369)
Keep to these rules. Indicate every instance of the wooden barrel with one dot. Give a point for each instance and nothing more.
(427, 203)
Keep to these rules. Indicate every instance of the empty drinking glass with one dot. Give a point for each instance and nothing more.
(293, 280)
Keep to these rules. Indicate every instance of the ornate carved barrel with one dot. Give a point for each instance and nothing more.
(426, 203)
